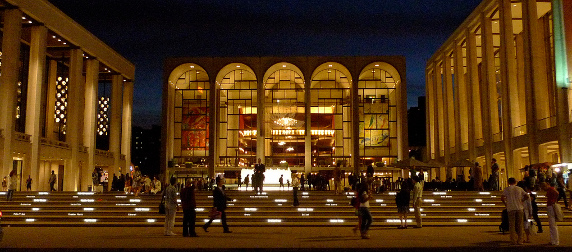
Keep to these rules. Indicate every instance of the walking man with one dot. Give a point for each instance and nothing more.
(188, 200)
(494, 176)
(417, 200)
(513, 198)
(171, 207)
(29, 183)
(219, 201)
(52, 181)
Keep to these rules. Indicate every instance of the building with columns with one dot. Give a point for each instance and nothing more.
(499, 87)
(66, 99)
(305, 113)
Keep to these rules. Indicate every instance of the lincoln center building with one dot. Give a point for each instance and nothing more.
(300, 113)
(66, 99)
(499, 87)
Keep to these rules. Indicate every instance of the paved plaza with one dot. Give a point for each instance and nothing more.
(272, 238)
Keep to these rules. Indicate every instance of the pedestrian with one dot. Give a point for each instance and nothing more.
(494, 178)
(259, 168)
(188, 201)
(156, 186)
(417, 201)
(366, 219)
(527, 214)
(128, 182)
(4, 183)
(12, 182)
(534, 206)
(402, 201)
(295, 184)
(551, 198)
(513, 197)
(171, 207)
(219, 202)
(337, 179)
(478, 178)
(29, 183)
(561, 188)
(281, 181)
(246, 181)
(52, 181)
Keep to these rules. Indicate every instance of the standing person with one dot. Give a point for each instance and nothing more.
(281, 181)
(4, 184)
(188, 200)
(171, 207)
(52, 181)
(478, 177)
(95, 179)
(219, 201)
(260, 168)
(137, 182)
(494, 178)
(513, 197)
(295, 184)
(302, 181)
(402, 201)
(366, 219)
(29, 183)
(246, 181)
(12, 182)
(561, 188)
(534, 207)
(417, 200)
(337, 179)
(527, 214)
(551, 198)
(128, 182)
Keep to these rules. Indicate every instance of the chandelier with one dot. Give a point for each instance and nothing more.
(286, 121)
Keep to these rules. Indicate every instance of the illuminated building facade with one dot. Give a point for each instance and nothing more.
(223, 114)
(63, 92)
(499, 87)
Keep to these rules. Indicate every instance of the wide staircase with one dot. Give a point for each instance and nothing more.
(272, 208)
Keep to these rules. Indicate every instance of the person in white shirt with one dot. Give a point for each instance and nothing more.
(417, 200)
(514, 197)
(295, 184)
(156, 186)
(171, 207)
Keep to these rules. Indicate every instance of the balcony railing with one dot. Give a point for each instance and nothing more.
(104, 153)
(54, 143)
(480, 142)
(122, 157)
(83, 149)
(519, 130)
(546, 123)
(22, 137)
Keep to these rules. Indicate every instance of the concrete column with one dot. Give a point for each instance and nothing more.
(36, 79)
(429, 113)
(355, 125)
(126, 137)
(260, 142)
(115, 124)
(520, 84)
(530, 42)
(90, 118)
(308, 118)
(12, 31)
(488, 77)
(402, 128)
(51, 100)
(438, 101)
(508, 82)
(167, 128)
(213, 88)
(460, 98)
(473, 94)
(448, 105)
(74, 124)
(562, 85)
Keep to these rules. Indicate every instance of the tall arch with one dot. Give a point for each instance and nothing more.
(330, 114)
(284, 115)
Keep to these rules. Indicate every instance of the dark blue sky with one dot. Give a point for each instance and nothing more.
(148, 31)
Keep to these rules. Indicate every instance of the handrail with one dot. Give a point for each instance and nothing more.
(519, 130)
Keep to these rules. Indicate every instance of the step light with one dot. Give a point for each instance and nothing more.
(280, 200)
(40, 200)
(43, 193)
(439, 193)
(251, 209)
(303, 209)
(35, 209)
(90, 220)
(151, 220)
(75, 196)
(75, 204)
(328, 204)
(121, 196)
(435, 204)
(215, 221)
(3, 193)
(305, 197)
(85, 193)
(134, 200)
(392, 193)
(478, 200)
(378, 200)
(30, 196)
(19, 214)
(428, 200)
(383, 204)
(87, 200)
(462, 220)
(88, 209)
(471, 209)
(125, 204)
(25, 204)
(75, 214)
(30, 220)
(484, 193)
(200, 209)
(259, 197)
(481, 214)
(305, 214)
(336, 221)
(246, 214)
(305, 193)
(329, 200)
(274, 220)
(488, 204)
(142, 209)
(397, 220)
(131, 214)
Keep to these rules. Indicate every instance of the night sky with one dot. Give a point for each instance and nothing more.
(148, 31)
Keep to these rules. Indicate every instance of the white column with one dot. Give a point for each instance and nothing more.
(126, 137)
(38, 44)
(438, 101)
(12, 31)
(472, 94)
(508, 81)
(448, 105)
(213, 106)
(90, 118)
(74, 124)
(115, 123)
(460, 98)
(51, 100)
(260, 142)
(429, 113)
(486, 84)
